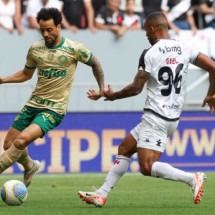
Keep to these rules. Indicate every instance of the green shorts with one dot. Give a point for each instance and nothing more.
(45, 118)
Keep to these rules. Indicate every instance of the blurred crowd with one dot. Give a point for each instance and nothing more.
(117, 16)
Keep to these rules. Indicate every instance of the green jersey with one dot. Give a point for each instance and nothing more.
(56, 68)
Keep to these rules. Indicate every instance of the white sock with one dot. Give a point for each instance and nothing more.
(118, 169)
(166, 171)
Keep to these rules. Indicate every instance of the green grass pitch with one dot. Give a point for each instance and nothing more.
(133, 195)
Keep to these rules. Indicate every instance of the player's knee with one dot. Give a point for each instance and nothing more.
(121, 150)
(7, 144)
(145, 169)
(20, 142)
(126, 151)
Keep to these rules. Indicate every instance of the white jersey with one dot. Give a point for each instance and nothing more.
(167, 62)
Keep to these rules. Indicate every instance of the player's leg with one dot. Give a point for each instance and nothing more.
(22, 121)
(46, 120)
(24, 138)
(31, 166)
(25, 159)
(151, 166)
(120, 166)
(194, 180)
(151, 145)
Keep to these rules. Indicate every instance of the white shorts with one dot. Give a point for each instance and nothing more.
(152, 132)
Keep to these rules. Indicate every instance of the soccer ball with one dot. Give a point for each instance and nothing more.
(14, 192)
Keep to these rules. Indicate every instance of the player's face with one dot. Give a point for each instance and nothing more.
(50, 31)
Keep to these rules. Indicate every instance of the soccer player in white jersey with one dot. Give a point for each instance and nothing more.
(55, 58)
(164, 68)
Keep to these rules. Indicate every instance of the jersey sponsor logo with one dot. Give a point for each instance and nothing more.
(161, 50)
(53, 73)
(167, 49)
(42, 101)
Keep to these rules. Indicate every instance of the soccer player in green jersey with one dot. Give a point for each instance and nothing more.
(55, 58)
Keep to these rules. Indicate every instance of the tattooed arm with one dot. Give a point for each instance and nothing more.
(99, 76)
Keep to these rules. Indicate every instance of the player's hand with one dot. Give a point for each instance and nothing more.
(94, 95)
(210, 101)
(108, 94)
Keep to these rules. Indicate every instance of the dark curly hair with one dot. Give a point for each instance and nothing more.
(50, 13)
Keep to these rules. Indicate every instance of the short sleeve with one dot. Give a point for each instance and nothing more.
(83, 54)
(30, 62)
(194, 53)
(142, 61)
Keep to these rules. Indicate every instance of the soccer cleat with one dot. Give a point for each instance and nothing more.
(92, 198)
(197, 187)
(29, 174)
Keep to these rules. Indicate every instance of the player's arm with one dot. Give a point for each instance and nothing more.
(207, 64)
(99, 76)
(18, 77)
(132, 89)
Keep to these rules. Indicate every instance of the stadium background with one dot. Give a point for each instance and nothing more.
(87, 139)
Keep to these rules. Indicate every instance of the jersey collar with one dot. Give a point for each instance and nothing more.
(59, 45)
